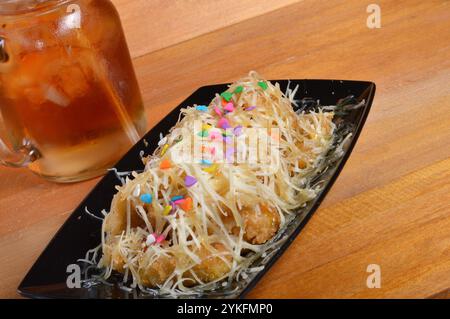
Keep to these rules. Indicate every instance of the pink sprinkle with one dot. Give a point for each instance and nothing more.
(250, 108)
(179, 202)
(213, 150)
(224, 123)
(160, 238)
(218, 111)
(215, 136)
(229, 107)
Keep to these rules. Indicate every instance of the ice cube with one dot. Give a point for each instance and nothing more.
(74, 78)
(57, 97)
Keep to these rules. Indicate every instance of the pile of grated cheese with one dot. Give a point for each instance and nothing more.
(222, 187)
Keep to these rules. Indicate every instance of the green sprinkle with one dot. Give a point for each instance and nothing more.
(239, 89)
(226, 133)
(263, 85)
(203, 133)
(226, 96)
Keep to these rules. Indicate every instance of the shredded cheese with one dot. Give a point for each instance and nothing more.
(219, 197)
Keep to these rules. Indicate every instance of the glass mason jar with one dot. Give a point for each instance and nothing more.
(70, 105)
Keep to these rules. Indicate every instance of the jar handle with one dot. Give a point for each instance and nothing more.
(3, 54)
(25, 153)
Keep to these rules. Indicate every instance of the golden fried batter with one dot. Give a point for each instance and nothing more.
(116, 220)
(212, 268)
(259, 227)
(156, 272)
(113, 256)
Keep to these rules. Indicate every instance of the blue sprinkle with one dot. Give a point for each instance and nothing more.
(147, 198)
(202, 108)
(175, 198)
(206, 162)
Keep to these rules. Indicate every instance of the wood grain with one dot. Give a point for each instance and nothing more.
(390, 206)
(402, 226)
(151, 25)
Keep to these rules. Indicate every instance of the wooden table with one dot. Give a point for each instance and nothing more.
(391, 204)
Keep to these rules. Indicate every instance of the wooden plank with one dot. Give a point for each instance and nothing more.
(22, 247)
(402, 227)
(156, 24)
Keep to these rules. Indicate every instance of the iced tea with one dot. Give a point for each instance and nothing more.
(68, 87)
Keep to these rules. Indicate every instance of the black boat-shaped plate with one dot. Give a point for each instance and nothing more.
(48, 276)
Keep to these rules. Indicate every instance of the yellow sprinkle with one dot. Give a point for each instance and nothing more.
(164, 150)
(167, 210)
(212, 169)
(206, 127)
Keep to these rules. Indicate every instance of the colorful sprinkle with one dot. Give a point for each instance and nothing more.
(263, 85)
(238, 130)
(151, 239)
(215, 136)
(227, 133)
(206, 127)
(250, 108)
(162, 141)
(175, 198)
(239, 89)
(167, 210)
(206, 149)
(137, 190)
(179, 202)
(206, 162)
(164, 149)
(229, 107)
(226, 96)
(186, 205)
(224, 123)
(212, 169)
(228, 139)
(203, 133)
(201, 108)
(160, 239)
(213, 150)
(165, 164)
(146, 198)
(190, 181)
(218, 111)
